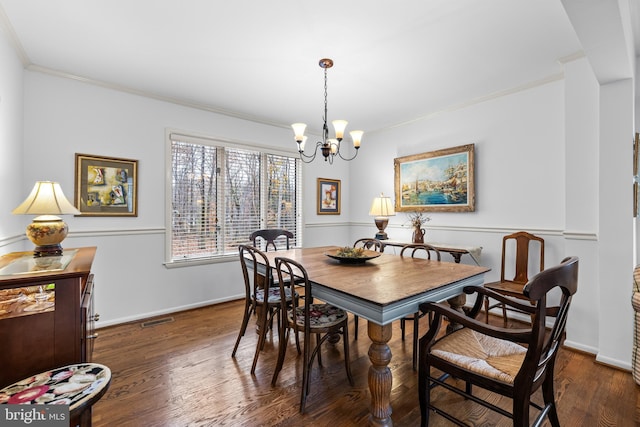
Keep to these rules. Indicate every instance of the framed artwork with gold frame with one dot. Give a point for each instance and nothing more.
(328, 196)
(437, 181)
(106, 186)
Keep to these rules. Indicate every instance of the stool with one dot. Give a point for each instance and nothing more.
(79, 386)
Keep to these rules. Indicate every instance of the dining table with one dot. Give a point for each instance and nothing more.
(381, 288)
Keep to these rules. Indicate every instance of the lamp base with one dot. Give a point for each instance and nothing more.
(47, 232)
(381, 222)
(47, 250)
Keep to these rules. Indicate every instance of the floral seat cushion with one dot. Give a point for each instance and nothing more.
(274, 295)
(321, 315)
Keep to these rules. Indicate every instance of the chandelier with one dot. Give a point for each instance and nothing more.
(329, 147)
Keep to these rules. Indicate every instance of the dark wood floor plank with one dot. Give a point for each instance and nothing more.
(181, 373)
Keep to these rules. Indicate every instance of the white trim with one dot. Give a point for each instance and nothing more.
(202, 139)
(498, 230)
(495, 95)
(119, 232)
(327, 224)
(170, 310)
(580, 235)
(190, 262)
(10, 32)
(614, 362)
(580, 347)
(10, 240)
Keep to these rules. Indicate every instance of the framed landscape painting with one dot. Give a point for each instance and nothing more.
(106, 186)
(328, 196)
(437, 181)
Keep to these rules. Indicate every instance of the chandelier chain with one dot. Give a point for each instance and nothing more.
(325, 128)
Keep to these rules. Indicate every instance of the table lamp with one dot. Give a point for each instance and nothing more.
(381, 210)
(47, 230)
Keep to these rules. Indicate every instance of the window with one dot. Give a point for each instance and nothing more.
(221, 192)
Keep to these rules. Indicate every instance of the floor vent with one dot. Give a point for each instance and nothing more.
(156, 322)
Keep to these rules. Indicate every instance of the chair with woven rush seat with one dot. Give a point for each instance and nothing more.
(322, 320)
(372, 245)
(269, 236)
(513, 288)
(416, 249)
(258, 282)
(510, 362)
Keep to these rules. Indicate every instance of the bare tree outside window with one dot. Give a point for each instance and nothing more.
(221, 194)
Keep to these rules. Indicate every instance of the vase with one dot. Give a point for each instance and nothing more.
(418, 235)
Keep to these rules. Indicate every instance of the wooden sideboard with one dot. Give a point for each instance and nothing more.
(456, 251)
(46, 312)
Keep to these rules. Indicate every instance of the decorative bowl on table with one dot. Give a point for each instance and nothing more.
(348, 255)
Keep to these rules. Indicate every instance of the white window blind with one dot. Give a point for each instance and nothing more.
(221, 193)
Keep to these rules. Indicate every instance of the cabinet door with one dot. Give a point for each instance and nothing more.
(87, 320)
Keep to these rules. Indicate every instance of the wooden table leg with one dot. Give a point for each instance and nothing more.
(456, 303)
(380, 377)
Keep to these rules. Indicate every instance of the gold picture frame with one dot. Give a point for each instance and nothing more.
(106, 186)
(437, 181)
(328, 196)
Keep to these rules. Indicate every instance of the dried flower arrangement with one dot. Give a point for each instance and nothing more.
(417, 219)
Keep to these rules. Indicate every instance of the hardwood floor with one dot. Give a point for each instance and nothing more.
(181, 373)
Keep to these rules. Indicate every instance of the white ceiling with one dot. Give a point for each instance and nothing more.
(395, 61)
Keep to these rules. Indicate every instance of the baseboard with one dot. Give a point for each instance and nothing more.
(170, 310)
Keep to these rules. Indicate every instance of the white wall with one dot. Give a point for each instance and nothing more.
(11, 149)
(519, 161)
(615, 225)
(582, 213)
(538, 167)
(131, 280)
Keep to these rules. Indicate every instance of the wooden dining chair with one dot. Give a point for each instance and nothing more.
(372, 245)
(269, 236)
(417, 250)
(261, 297)
(322, 320)
(510, 362)
(522, 243)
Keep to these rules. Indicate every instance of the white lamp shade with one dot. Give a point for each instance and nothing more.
(339, 126)
(382, 206)
(356, 135)
(298, 130)
(46, 198)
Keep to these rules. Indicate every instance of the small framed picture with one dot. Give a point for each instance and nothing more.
(106, 186)
(328, 196)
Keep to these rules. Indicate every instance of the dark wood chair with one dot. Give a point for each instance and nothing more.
(417, 250)
(372, 245)
(266, 237)
(261, 296)
(322, 320)
(510, 362)
(513, 287)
